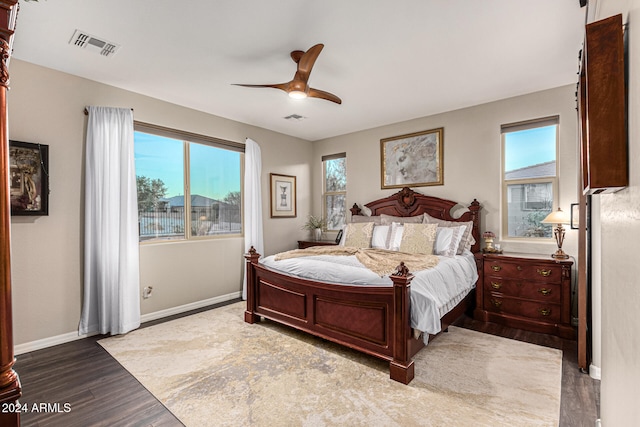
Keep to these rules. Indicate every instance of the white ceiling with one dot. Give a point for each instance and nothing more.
(389, 61)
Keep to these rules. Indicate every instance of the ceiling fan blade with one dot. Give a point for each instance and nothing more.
(316, 93)
(281, 86)
(306, 61)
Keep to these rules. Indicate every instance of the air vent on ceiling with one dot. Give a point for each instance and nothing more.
(296, 117)
(85, 40)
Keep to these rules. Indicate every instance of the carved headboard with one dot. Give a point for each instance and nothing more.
(407, 202)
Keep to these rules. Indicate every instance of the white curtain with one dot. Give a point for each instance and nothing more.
(111, 259)
(252, 202)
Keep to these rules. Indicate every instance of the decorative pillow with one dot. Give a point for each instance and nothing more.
(451, 237)
(467, 238)
(395, 236)
(418, 238)
(358, 234)
(380, 236)
(389, 219)
(361, 218)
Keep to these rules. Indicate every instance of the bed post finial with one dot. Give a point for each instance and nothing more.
(355, 210)
(401, 270)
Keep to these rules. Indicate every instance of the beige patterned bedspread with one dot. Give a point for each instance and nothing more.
(381, 261)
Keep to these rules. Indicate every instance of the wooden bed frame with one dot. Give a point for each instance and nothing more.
(371, 319)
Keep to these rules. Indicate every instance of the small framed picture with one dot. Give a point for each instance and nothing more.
(283, 196)
(29, 178)
(575, 216)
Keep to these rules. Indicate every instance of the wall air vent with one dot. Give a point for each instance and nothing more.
(85, 40)
(295, 117)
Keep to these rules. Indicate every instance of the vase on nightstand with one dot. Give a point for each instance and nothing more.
(317, 234)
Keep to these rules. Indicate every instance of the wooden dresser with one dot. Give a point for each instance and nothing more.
(525, 291)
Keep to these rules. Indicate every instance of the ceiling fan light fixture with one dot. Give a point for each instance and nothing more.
(297, 94)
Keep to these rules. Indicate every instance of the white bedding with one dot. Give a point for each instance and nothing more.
(434, 292)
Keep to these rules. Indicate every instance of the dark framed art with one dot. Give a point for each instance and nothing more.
(29, 178)
(283, 196)
(412, 160)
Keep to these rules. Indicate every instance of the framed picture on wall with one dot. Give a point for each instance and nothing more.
(575, 216)
(29, 178)
(283, 196)
(412, 160)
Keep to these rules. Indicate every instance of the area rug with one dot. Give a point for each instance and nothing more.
(213, 369)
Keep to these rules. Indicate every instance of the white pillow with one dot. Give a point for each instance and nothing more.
(380, 236)
(395, 236)
(467, 239)
(443, 240)
(457, 233)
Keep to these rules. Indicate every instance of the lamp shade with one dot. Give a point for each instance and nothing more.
(557, 217)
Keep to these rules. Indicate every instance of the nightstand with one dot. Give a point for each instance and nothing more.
(302, 244)
(525, 291)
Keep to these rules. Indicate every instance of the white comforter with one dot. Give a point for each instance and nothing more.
(434, 291)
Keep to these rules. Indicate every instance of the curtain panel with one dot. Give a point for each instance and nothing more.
(253, 233)
(111, 301)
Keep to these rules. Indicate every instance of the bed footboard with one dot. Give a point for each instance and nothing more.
(373, 320)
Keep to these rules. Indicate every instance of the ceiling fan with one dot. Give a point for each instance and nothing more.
(298, 87)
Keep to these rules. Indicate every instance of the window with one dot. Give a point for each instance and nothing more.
(529, 179)
(186, 179)
(334, 191)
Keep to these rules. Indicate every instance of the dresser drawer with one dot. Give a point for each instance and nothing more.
(523, 270)
(540, 311)
(539, 291)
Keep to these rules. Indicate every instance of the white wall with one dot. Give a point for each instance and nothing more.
(472, 157)
(46, 106)
(620, 271)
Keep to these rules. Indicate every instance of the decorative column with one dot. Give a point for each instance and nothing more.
(10, 390)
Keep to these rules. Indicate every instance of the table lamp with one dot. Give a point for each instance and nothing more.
(558, 217)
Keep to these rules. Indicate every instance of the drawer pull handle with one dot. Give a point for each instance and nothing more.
(495, 302)
(545, 311)
(543, 272)
(519, 268)
(496, 285)
(544, 291)
(496, 268)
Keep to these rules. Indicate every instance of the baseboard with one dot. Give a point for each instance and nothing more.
(594, 372)
(73, 336)
(48, 342)
(188, 307)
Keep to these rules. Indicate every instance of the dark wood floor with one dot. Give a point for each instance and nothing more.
(102, 393)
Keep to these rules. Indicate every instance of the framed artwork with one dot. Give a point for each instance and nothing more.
(575, 216)
(283, 196)
(412, 160)
(29, 178)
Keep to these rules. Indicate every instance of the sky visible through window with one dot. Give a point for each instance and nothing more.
(162, 158)
(530, 147)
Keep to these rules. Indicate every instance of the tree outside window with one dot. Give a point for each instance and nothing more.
(335, 190)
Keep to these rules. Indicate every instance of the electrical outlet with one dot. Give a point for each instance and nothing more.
(146, 292)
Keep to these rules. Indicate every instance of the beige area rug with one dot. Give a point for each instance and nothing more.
(212, 369)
